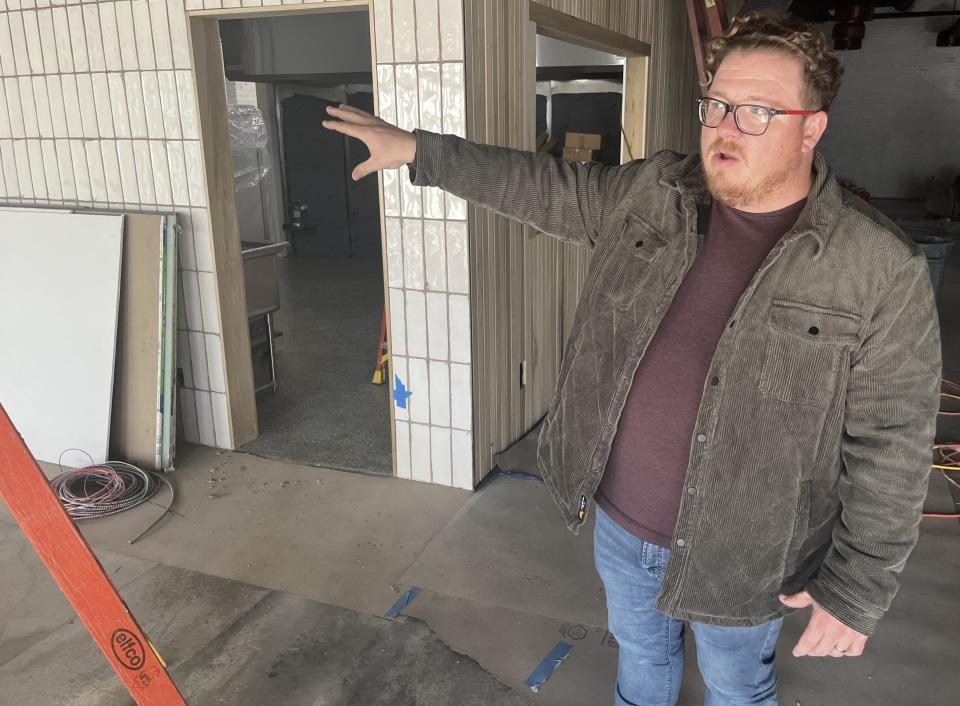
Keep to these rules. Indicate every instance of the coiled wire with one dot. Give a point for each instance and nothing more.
(101, 490)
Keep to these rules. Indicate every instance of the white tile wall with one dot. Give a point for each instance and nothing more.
(438, 329)
(215, 363)
(394, 252)
(98, 109)
(459, 328)
(451, 30)
(221, 420)
(419, 46)
(203, 246)
(416, 313)
(413, 275)
(398, 321)
(198, 359)
(208, 298)
(383, 31)
(419, 385)
(461, 451)
(401, 387)
(434, 243)
(420, 452)
(187, 417)
(458, 263)
(208, 436)
(439, 393)
(428, 30)
(404, 31)
(441, 465)
(403, 448)
(461, 405)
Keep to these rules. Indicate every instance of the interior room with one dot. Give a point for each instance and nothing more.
(579, 91)
(310, 239)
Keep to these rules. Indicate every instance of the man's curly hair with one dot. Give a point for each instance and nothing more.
(780, 32)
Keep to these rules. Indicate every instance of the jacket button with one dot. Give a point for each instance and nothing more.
(714, 380)
(691, 490)
(701, 438)
(681, 543)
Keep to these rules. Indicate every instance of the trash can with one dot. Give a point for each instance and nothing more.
(932, 238)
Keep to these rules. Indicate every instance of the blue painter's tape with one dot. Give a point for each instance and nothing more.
(548, 665)
(400, 392)
(519, 475)
(403, 601)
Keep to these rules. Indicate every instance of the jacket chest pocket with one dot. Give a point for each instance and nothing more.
(805, 347)
(630, 261)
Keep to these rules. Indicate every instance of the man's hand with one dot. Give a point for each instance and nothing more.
(390, 147)
(825, 635)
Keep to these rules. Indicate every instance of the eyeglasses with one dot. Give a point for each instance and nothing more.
(749, 119)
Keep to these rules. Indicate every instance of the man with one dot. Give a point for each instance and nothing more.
(751, 383)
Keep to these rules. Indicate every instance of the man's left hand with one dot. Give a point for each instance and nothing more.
(825, 635)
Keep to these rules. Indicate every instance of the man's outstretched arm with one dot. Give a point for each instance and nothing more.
(564, 200)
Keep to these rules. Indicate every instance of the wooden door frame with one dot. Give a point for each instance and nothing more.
(558, 25)
(208, 75)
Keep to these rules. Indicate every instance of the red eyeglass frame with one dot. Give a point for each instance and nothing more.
(730, 108)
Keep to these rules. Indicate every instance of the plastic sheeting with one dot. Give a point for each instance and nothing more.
(248, 137)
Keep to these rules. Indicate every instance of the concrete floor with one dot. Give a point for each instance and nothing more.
(326, 411)
(270, 580)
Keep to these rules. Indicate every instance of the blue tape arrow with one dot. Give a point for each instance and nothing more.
(400, 392)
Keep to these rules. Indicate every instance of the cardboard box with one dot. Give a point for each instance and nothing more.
(575, 154)
(582, 140)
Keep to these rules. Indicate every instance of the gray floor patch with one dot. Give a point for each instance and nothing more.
(227, 642)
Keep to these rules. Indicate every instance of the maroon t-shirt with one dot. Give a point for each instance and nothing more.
(643, 480)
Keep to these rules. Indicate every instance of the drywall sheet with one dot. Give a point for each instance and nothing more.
(136, 425)
(59, 293)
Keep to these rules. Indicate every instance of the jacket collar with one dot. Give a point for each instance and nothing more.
(817, 217)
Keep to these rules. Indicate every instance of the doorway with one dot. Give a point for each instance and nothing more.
(589, 77)
(579, 102)
(307, 237)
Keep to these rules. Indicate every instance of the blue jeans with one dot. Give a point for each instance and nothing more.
(736, 662)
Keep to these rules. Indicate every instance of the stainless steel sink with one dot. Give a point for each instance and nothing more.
(261, 281)
(261, 276)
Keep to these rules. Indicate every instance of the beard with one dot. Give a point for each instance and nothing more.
(749, 186)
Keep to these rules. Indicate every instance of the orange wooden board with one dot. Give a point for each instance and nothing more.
(67, 556)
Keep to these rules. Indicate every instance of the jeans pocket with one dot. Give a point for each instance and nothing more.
(652, 559)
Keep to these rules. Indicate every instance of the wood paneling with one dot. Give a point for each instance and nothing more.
(218, 163)
(524, 285)
(635, 108)
(559, 25)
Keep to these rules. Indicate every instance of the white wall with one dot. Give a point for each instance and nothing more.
(98, 110)
(897, 118)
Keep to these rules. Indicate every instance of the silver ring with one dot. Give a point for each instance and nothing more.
(838, 649)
